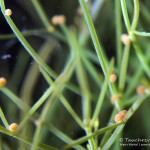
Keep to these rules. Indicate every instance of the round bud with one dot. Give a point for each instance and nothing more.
(58, 19)
(125, 39)
(8, 12)
(123, 113)
(3, 82)
(114, 98)
(141, 90)
(118, 118)
(13, 127)
(113, 78)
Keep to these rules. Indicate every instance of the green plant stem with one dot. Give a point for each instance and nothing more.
(91, 69)
(130, 112)
(30, 82)
(98, 132)
(71, 111)
(25, 140)
(3, 118)
(131, 29)
(118, 31)
(113, 137)
(45, 20)
(82, 79)
(64, 100)
(41, 13)
(36, 106)
(123, 70)
(102, 59)
(125, 15)
(15, 99)
(91, 56)
(141, 57)
(43, 33)
(135, 106)
(62, 136)
(93, 35)
(60, 83)
(136, 15)
(20, 103)
(92, 144)
(25, 43)
(138, 73)
(26, 33)
(101, 96)
(108, 133)
(145, 34)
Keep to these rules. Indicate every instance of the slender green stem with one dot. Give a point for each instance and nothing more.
(26, 33)
(113, 137)
(24, 42)
(141, 56)
(130, 112)
(125, 15)
(15, 99)
(118, 31)
(93, 35)
(82, 78)
(25, 140)
(41, 13)
(136, 15)
(108, 133)
(101, 96)
(98, 132)
(102, 59)
(146, 34)
(3, 118)
(60, 83)
(91, 69)
(124, 65)
(63, 136)
(135, 106)
(71, 111)
(36, 106)
(92, 144)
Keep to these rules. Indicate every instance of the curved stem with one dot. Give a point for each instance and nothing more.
(136, 15)
(125, 15)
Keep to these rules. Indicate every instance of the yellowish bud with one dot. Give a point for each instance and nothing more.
(3, 82)
(13, 127)
(58, 19)
(8, 12)
(125, 39)
(113, 78)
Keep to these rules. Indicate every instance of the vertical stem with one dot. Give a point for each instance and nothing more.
(124, 65)
(136, 15)
(118, 31)
(93, 35)
(125, 15)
